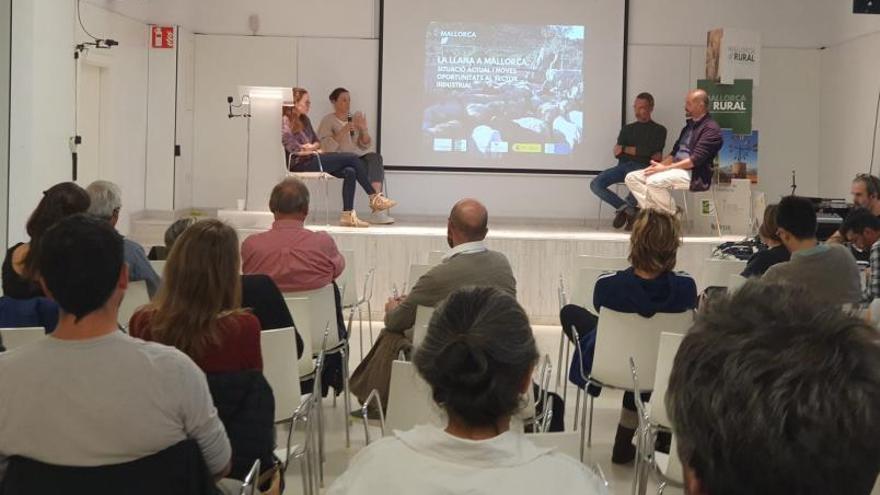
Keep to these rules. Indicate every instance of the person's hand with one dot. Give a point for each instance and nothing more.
(618, 150)
(393, 303)
(360, 121)
(655, 168)
(343, 131)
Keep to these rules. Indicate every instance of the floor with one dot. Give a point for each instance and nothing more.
(607, 409)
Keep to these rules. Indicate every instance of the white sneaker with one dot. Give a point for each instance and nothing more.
(381, 218)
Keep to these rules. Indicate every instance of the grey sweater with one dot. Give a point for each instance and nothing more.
(828, 271)
(487, 268)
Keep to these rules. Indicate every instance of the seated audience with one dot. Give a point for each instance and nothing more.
(90, 395)
(20, 265)
(198, 307)
(341, 131)
(160, 253)
(258, 292)
(648, 287)
(828, 271)
(862, 229)
(775, 252)
(32, 312)
(106, 201)
(477, 358)
(468, 262)
(302, 144)
(865, 192)
(775, 392)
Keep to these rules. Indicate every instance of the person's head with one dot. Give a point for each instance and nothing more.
(82, 265)
(654, 242)
(796, 219)
(696, 104)
(201, 283)
(106, 200)
(301, 101)
(175, 229)
(865, 190)
(478, 356)
(643, 106)
(59, 201)
(771, 392)
(861, 228)
(289, 200)
(769, 230)
(341, 100)
(468, 222)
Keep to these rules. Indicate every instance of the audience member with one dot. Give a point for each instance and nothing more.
(31, 312)
(20, 265)
(775, 392)
(690, 164)
(468, 262)
(477, 358)
(828, 271)
(340, 131)
(258, 292)
(89, 395)
(637, 144)
(198, 307)
(775, 252)
(160, 253)
(648, 287)
(106, 201)
(302, 144)
(862, 229)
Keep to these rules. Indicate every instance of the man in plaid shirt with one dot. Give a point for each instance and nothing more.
(862, 229)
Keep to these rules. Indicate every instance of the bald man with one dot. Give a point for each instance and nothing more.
(469, 262)
(688, 167)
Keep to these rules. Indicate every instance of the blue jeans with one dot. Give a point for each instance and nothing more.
(615, 175)
(347, 167)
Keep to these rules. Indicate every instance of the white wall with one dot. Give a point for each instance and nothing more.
(5, 40)
(161, 108)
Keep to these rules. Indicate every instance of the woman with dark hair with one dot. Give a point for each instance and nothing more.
(340, 131)
(302, 144)
(648, 287)
(775, 253)
(477, 358)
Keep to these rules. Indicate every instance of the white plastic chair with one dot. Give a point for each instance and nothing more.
(622, 336)
(322, 177)
(409, 400)
(313, 312)
(12, 338)
(135, 296)
(354, 302)
(436, 257)
(415, 272)
(717, 272)
(158, 266)
(420, 328)
(654, 419)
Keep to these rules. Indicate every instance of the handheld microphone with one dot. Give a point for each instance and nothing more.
(350, 131)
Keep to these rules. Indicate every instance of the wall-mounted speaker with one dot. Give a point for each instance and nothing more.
(866, 6)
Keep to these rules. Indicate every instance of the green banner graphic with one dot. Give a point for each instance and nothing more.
(730, 104)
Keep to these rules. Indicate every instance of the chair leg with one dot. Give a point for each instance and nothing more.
(559, 361)
(577, 404)
(715, 210)
(327, 202)
(361, 331)
(567, 355)
(590, 430)
(583, 425)
(346, 400)
(599, 216)
(370, 321)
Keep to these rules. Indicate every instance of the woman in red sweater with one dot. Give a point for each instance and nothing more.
(198, 306)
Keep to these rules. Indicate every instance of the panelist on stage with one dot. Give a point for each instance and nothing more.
(301, 142)
(690, 164)
(341, 131)
(637, 144)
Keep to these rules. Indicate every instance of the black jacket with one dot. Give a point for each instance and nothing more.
(246, 406)
(261, 295)
(705, 143)
(177, 470)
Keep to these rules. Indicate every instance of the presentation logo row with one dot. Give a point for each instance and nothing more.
(461, 145)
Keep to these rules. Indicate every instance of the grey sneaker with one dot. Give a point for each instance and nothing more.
(381, 218)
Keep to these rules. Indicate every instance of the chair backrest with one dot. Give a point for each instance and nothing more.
(624, 335)
(735, 281)
(717, 272)
(585, 286)
(346, 280)
(415, 272)
(249, 485)
(420, 328)
(436, 257)
(158, 266)
(669, 344)
(409, 400)
(674, 470)
(135, 296)
(566, 442)
(312, 310)
(281, 369)
(17, 337)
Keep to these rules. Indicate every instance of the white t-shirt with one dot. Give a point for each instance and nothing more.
(427, 460)
(106, 400)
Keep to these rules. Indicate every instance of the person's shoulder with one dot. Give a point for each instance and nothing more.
(683, 277)
(132, 247)
(327, 120)
(568, 470)
(162, 359)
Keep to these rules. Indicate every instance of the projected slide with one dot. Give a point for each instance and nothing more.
(498, 91)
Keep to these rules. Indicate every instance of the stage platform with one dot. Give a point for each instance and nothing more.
(539, 251)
